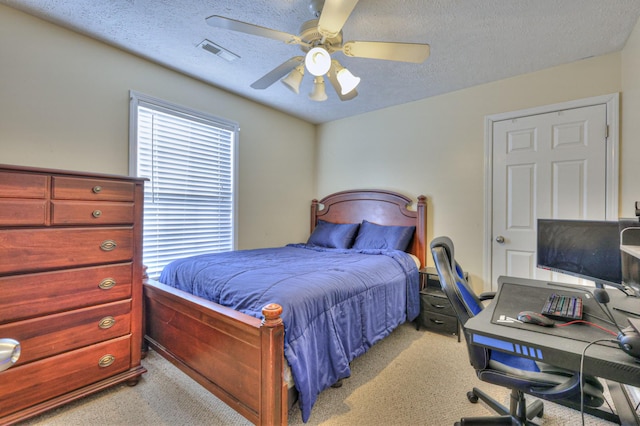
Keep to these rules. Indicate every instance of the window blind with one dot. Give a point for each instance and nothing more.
(189, 199)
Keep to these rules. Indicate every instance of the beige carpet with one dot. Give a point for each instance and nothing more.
(410, 378)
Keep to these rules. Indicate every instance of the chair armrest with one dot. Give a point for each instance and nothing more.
(562, 391)
(487, 295)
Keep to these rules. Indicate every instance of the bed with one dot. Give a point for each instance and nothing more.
(239, 354)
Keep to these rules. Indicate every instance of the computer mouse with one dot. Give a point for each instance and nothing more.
(530, 317)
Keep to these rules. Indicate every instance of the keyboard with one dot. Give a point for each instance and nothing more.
(563, 308)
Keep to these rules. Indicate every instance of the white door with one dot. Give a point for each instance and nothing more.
(547, 165)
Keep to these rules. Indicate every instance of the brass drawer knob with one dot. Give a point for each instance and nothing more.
(96, 189)
(107, 322)
(108, 245)
(96, 213)
(107, 283)
(106, 360)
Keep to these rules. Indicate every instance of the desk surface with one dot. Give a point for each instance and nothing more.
(564, 346)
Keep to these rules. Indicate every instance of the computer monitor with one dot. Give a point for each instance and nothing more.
(581, 248)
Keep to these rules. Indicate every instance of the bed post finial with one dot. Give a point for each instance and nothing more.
(421, 231)
(271, 314)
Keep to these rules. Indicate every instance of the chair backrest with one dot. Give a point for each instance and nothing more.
(462, 297)
(464, 301)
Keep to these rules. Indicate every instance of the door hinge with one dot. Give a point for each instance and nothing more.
(606, 132)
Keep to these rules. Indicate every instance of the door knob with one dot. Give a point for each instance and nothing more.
(500, 239)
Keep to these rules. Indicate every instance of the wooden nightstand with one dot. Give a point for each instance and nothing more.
(436, 312)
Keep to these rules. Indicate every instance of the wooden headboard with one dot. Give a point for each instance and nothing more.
(376, 206)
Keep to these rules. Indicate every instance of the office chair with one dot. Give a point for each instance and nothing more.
(521, 375)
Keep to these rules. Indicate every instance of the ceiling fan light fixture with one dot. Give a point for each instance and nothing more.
(318, 93)
(293, 80)
(318, 61)
(348, 81)
(319, 38)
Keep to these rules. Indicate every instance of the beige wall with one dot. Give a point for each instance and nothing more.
(64, 103)
(435, 147)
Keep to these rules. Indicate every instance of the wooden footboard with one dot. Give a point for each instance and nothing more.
(238, 358)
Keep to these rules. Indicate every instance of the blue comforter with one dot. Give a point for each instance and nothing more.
(336, 303)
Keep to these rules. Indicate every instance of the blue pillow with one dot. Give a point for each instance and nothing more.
(374, 236)
(333, 235)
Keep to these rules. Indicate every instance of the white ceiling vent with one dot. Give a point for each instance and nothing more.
(218, 50)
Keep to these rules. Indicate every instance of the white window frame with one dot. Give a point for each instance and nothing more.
(138, 99)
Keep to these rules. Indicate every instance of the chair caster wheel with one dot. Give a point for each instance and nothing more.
(472, 397)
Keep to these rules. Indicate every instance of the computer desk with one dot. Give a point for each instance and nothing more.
(561, 346)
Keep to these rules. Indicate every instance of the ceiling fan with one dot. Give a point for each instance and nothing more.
(318, 39)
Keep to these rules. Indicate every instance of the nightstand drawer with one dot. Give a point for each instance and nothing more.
(438, 322)
(436, 302)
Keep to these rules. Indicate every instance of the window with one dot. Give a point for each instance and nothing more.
(189, 159)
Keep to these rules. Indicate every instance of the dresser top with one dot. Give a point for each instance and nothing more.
(30, 169)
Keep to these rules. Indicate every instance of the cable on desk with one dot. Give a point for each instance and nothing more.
(584, 351)
(608, 321)
(588, 323)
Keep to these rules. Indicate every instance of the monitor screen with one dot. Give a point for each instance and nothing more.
(581, 248)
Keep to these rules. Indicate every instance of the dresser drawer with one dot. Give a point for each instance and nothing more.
(91, 213)
(69, 188)
(40, 249)
(31, 295)
(23, 212)
(436, 302)
(53, 334)
(440, 323)
(23, 185)
(32, 383)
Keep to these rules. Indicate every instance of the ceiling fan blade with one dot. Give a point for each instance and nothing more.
(334, 14)
(277, 73)
(244, 27)
(404, 52)
(333, 79)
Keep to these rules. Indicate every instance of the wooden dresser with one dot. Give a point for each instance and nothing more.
(70, 285)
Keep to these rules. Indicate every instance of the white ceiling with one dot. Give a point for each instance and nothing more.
(472, 42)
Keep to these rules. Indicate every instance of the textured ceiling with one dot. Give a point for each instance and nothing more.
(472, 42)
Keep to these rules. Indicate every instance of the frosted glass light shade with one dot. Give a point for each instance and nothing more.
(348, 81)
(318, 93)
(293, 80)
(318, 61)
